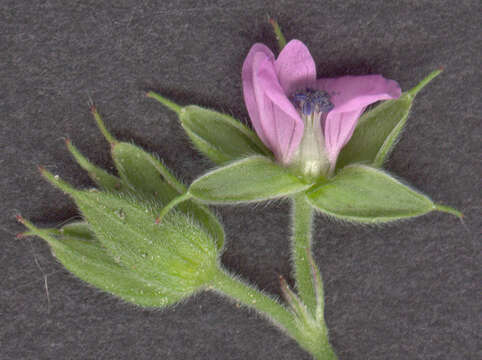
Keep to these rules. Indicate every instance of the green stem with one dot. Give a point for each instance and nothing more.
(255, 299)
(302, 220)
(279, 315)
(174, 202)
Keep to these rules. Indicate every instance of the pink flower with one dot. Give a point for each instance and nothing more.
(305, 121)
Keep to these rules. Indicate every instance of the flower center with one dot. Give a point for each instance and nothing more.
(309, 101)
(311, 158)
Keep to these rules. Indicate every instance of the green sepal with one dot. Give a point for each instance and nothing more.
(145, 175)
(177, 256)
(149, 178)
(218, 136)
(365, 194)
(255, 178)
(278, 33)
(379, 129)
(76, 247)
(101, 177)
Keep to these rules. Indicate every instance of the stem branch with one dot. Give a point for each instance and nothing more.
(255, 299)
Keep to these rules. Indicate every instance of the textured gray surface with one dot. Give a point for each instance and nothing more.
(404, 291)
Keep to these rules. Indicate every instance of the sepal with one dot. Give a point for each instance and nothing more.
(365, 194)
(379, 129)
(218, 136)
(256, 178)
(76, 247)
(101, 177)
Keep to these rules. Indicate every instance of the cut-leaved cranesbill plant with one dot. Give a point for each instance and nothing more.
(152, 241)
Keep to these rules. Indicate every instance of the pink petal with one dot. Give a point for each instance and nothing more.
(295, 67)
(351, 93)
(280, 121)
(339, 128)
(248, 87)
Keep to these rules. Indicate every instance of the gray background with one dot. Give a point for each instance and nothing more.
(403, 291)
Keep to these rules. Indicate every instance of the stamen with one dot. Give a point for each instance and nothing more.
(309, 101)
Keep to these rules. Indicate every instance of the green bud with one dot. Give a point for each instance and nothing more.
(146, 178)
(218, 136)
(255, 178)
(76, 247)
(177, 257)
(364, 194)
(378, 130)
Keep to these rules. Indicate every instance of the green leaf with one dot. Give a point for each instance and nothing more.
(177, 256)
(378, 130)
(76, 247)
(364, 194)
(218, 136)
(252, 179)
(147, 176)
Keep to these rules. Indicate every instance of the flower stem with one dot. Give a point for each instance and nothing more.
(302, 220)
(236, 289)
(279, 315)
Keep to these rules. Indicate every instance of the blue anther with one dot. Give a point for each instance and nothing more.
(309, 101)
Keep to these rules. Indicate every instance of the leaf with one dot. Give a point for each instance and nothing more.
(378, 130)
(147, 176)
(255, 178)
(177, 256)
(76, 247)
(364, 194)
(218, 136)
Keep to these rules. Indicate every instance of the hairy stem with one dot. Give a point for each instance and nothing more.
(246, 294)
(302, 220)
(279, 315)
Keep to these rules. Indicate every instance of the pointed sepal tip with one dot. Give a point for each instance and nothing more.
(416, 89)
(165, 101)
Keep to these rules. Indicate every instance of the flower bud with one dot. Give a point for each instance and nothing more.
(173, 259)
